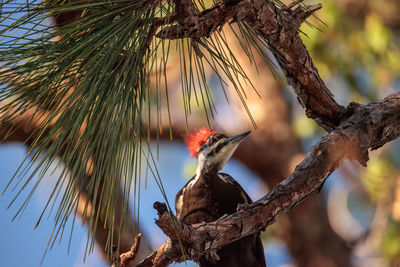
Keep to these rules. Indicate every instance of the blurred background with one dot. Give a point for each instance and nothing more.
(353, 221)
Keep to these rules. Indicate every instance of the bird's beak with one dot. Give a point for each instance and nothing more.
(237, 138)
(228, 147)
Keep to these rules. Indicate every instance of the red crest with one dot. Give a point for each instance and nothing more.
(197, 138)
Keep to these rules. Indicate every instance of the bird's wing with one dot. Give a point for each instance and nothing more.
(227, 178)
(179, 200)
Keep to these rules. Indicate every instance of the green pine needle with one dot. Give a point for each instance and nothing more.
(93, 88)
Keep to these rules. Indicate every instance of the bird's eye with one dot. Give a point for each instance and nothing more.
(211, 140)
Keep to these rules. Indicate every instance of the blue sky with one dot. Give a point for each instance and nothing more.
(19, 238)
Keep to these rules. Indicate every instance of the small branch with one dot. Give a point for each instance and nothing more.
(302, 13)
(291, 5)
(369, 126)
(163, 256)
(199, 25)
(127, 257)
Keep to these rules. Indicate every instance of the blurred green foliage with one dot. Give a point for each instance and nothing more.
(356, 53)
(361, 50)
(378, 179)
(390, 242)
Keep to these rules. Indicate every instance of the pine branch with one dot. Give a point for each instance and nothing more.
(127, 257)
(196, 25)
(93, 86)
(279, 27)
(163, 256)
(369, 127)
(33, 118)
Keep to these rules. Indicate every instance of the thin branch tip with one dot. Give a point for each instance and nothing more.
(127, 257)
(302, 13)
(160, 207)
(291, 5)
(313, 8)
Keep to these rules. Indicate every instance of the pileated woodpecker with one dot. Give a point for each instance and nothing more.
(211, 194)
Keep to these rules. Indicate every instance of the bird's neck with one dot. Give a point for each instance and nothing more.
(205, 169)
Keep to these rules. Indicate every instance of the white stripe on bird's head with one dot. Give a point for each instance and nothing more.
(215, 153)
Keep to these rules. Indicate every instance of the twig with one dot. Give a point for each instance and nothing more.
(163, 256)
(127, 257)
(291, 5)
